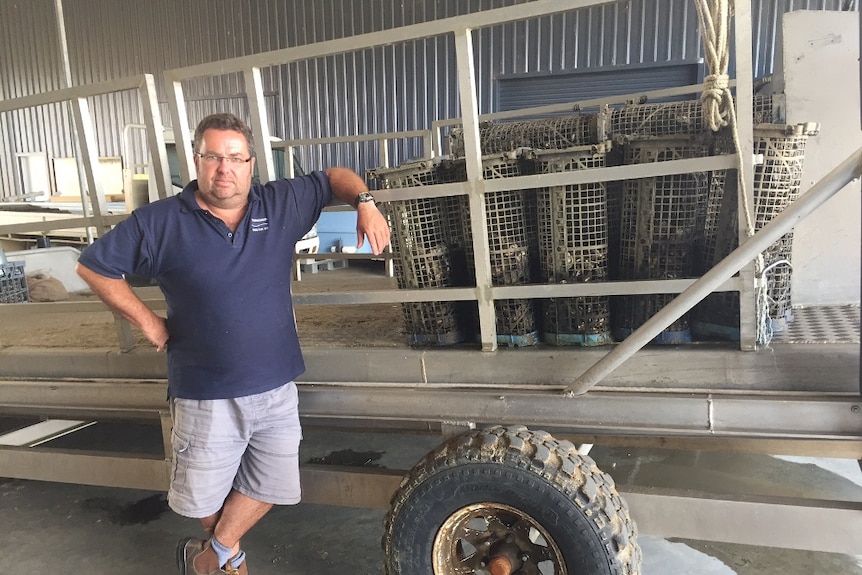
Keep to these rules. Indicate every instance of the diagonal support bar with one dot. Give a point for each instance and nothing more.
(833, 182)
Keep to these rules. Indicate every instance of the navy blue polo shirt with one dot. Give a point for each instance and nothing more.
(230, 316)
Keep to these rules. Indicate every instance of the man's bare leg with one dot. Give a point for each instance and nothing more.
(239, 514)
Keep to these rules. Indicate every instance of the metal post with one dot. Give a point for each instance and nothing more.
(167, 424)
(259, 125)
(436, 139)
(90, 159)
(428, 147)
(67, 83)
(383, 152)
(64, 46)
(155, 136)
(833, 182)
(748, 314)
(476, 186)
(288, 160)
(182, 134)
(124, 333)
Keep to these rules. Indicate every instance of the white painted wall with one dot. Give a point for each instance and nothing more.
(820, 63)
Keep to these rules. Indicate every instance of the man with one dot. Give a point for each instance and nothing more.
(221, 251)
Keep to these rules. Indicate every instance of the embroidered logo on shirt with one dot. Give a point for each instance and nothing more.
(259, 224)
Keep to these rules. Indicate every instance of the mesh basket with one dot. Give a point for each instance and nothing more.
(421, 253)
(573, 247)
(647, 120)
(675, 118)
(511, 244)
(614, 189)
(669, 119)
(13, 283)
(661, 226)
(777, 182)
(545, 134)
(564, 132)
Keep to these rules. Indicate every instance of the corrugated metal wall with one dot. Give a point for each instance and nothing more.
(400, 87)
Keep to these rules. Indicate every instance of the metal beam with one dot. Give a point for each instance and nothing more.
(748, 314)
(85, 468)
(475, 187)
(830, 526)
(618, 412)
(260, 125)
(89, 159)
(407, 295)
(349, 486)
(182, 134)
(829, 448)
(585, 176)
(155, 136)
(59, 224)
(577, 105)
(67, 94)
(807, 368)
(688, 413)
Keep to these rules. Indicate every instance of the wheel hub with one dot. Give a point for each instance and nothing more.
(495, 539)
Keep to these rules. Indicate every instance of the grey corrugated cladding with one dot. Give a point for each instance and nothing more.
(395, 88)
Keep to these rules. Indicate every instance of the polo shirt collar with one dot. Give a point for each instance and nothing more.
(188, 203)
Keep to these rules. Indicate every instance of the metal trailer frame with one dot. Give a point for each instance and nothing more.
(447, 391)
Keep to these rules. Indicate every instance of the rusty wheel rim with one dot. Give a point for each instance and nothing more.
(484, 537)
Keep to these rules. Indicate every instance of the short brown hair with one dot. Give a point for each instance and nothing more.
(226, 122)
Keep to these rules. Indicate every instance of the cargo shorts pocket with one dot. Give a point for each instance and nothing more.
(180, 465)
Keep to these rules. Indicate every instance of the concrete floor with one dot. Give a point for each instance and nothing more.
(55, 528)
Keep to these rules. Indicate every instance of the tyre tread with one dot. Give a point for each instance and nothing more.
(557, 462)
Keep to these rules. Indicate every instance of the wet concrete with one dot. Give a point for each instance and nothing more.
(55, 528)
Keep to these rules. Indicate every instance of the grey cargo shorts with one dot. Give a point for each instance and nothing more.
(250, 444)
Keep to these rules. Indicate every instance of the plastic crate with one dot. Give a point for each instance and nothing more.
(13, 283)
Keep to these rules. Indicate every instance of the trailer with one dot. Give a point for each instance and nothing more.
(511, 487)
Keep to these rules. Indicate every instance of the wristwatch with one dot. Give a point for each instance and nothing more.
(362, 198)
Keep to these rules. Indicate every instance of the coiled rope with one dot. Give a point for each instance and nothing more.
(714, 17)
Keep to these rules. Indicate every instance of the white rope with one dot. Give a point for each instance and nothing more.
(717, 100)
(719, 111)
(765, 329)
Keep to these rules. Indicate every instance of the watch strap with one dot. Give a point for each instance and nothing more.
(362, 198)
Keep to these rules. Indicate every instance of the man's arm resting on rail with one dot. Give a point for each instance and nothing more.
(118, 295)
(346, 186)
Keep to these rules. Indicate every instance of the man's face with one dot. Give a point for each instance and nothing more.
(221, 183)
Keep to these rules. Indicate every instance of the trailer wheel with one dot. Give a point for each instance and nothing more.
(509, 501)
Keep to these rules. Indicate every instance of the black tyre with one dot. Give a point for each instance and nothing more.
(509, 500)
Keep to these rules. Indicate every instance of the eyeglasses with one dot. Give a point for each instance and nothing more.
(214, 159)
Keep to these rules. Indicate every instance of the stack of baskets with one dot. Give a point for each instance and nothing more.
(654, 228)
(777, 181)
(422, 252)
